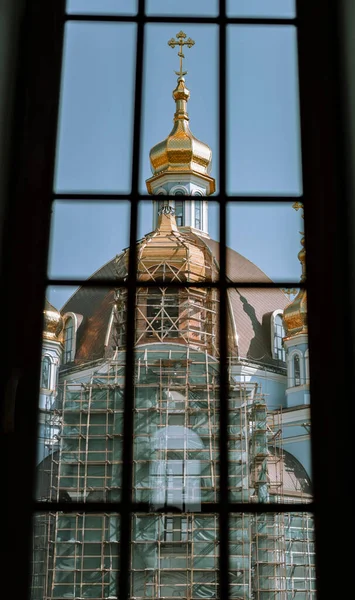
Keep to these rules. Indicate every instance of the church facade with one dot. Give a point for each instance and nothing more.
(174, 541)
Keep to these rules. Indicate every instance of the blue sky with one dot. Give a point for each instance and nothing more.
(95, 131)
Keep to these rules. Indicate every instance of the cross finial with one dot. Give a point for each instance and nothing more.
(180, 41)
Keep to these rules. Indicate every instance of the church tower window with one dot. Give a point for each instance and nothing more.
(198, 214)
(68, 340)
(279, 334)
(179, 211)
(296, 370)
(46, 373)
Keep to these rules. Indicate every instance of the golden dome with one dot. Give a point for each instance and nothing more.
(181, 152)
(53, 322)
(295, 314)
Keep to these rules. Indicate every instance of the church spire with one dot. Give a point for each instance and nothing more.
(181, 163)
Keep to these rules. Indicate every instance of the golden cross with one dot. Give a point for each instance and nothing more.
(181, 42)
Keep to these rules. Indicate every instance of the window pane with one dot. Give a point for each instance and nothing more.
(111, 7)
(264, 241)
(95, 126)
(87, 237)
(263, 111)
(261, 8)
(196, 257)
(272, 556)
(75, 555)
(184, 7)
(160, 64)
(269, 405)
(80, 428)
(176, 411)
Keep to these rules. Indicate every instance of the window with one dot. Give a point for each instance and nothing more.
(68, 340)
(198, 214)
(318, 59)
(175, 529)
(278, 334)
(175, 477)
(46, 373)
(179, 211)
(296, 370)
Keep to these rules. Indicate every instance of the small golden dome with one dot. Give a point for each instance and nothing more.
(53, 322)
(181, 152)
(295, 314)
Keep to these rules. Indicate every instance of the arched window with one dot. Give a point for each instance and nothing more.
(46, 373)
(296, 370)
(68, 340)
(306, 358)
(175, 477)
(279, 334)
(163, 312)
(198, 214)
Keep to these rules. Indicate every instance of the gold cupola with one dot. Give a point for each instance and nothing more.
(181, 153)
(295, 314)
(53, 322)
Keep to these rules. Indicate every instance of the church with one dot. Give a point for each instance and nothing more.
(174, 542)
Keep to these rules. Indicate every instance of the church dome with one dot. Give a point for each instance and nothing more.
(183, 255)
(181, 151)
(295, 314)
(53, 322)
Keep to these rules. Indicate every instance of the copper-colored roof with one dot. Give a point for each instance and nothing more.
(250, 307)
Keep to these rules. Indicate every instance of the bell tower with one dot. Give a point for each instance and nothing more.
(181, 163)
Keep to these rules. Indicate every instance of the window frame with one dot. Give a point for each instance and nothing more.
(326, 172)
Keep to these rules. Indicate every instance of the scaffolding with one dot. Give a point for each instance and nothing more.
(174, 547)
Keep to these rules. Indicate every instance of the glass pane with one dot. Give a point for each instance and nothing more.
(193, 220)
(87, 237)
(111, 7)
(269, 419)
(160, 64)
(80, 427)
(75, 555)
(272, 556)
(176, 400)
(261, 8)
(95, 126)
(184, 7)
(263, 111)
(264, 241)
(174, 555)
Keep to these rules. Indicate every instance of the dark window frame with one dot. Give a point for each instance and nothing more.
(327, 207)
